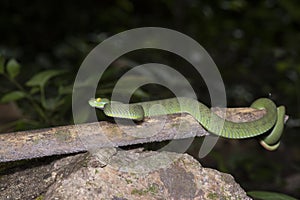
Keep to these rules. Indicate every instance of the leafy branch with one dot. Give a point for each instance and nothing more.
(35, 90)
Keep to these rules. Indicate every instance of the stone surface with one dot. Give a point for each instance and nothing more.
(145, 175)
(131, 174)
(29, 179)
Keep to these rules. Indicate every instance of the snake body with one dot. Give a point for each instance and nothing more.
(274, 117)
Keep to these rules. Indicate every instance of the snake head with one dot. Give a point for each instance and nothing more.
(98, 102)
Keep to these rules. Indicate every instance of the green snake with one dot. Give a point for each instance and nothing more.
(273, 119)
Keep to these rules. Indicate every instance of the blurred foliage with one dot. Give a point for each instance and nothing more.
(49, 109)
(269, 195)
(255, 45)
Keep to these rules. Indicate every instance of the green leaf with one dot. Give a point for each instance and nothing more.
(263, 195)
(42, 78)
(2, 64)
(13, 68)
(25, 124)
(65, 89)
(52, 103)
(12, 96)
(34, 90)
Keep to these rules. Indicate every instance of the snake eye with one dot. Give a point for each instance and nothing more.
(98, 99)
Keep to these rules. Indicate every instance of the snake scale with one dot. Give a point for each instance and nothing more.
(272, 122)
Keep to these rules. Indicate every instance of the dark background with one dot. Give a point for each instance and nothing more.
(254, 44)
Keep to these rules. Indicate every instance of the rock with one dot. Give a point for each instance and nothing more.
(28, 179)
(137, 174)
(133, 174)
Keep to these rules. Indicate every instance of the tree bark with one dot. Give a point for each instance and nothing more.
(83, 137)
